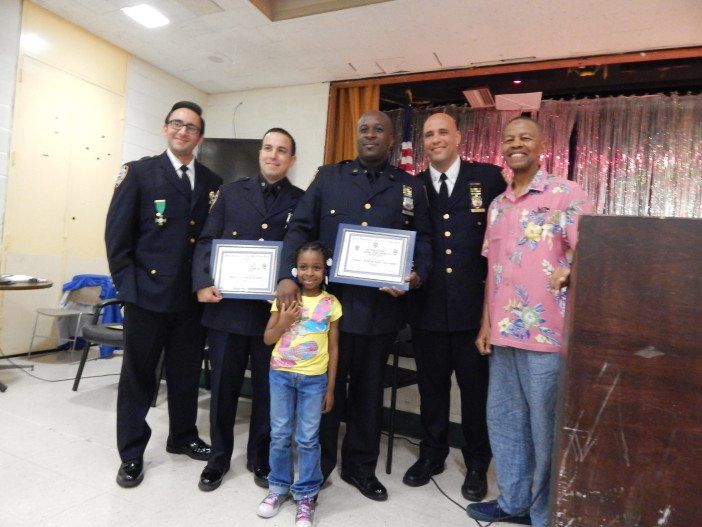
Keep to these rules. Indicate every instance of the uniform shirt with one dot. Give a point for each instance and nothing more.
(451, 176)
(177, 164)
(526, 239)
(304, 347)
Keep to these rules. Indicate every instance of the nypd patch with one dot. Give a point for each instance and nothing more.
(122, 174)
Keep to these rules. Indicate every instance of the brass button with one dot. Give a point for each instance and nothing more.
(367, 206)
(447, 233)
(192, 240)
(480, 223)
(234, 233)
(446, 216)
(449, 270)
(264, 225)
(260, 239)
(332, 211)
(153, 271)
(448, 251)
(364, 223)
(192, 222)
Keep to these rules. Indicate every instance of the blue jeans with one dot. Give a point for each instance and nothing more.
(296, 405)
(521, 410)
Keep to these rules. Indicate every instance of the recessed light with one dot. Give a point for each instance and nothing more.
(146, 15)
(516, 81)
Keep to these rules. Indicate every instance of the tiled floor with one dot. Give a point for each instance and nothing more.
(58, 464)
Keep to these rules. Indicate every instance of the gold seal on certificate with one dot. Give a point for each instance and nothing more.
(372, 256)
(245, 269)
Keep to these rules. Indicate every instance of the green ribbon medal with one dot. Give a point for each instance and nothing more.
(160, 205)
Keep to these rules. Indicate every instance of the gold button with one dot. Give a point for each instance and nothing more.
(192, 240)
(153, 271)
(447, 233)
(367, 206)
(332, 211)
(448, 251)
(446, 216)
(234, 233)
(260, 239)
(480, 223)
(449, 270)
(364, 223)
(264, 225)
(192, 222)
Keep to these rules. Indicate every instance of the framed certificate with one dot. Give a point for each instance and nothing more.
(245, 269)
(372, 256)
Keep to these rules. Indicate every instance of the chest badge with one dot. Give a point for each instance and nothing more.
(407, 200)
(476, 197)
(160, 206)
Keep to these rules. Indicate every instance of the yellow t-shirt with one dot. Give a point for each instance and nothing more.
(303, 347)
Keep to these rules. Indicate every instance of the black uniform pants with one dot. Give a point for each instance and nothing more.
(438, 354)
(146, 334)
(362, 359)
(229, 356)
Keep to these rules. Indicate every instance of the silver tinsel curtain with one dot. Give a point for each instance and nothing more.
(633, 155)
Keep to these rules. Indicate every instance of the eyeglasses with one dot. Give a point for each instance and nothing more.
(177, 124)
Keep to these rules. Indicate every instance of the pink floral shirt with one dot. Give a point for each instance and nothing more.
(525, 240)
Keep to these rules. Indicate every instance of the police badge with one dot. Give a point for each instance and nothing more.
(213, 198)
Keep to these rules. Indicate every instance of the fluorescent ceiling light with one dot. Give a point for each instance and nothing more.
(33, 43)
(146, 15)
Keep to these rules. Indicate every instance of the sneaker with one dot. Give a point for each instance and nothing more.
(305, 512)
(270, 505)
(490, 511)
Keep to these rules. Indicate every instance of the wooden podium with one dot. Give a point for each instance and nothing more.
(628, 450)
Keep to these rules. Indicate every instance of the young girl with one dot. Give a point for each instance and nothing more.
(302, 377)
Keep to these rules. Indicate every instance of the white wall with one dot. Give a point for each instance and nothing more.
(301, 110)
(150, 94)
(10, 23)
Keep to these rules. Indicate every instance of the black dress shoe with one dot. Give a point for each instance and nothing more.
(261, 476)
(131, 473)
(196, 449)
(369, 486)
(421, 472)
(474, 488)
(210, 479)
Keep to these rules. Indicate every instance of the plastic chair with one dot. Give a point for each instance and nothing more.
(396, 377)
(88, 296)
(97, 333)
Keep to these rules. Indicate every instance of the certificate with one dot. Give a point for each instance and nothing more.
(372, 256)
(245, 269)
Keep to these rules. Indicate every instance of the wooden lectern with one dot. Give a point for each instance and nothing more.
(628, 449)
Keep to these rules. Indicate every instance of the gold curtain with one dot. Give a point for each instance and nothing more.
(346, 107)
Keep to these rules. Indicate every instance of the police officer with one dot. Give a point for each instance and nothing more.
(366, 191)
(157, 211)
(447, 310)
(253, 208)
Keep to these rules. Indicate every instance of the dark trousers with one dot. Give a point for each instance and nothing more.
(438, 354)
(229, 355)
(362, 359)
(147, 333)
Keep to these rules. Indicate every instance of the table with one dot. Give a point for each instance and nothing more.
(21, 286)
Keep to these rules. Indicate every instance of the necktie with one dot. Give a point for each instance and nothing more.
(185, 180)
(443, 193)
(269, 194)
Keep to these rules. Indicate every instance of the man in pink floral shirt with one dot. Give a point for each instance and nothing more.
(529, 241)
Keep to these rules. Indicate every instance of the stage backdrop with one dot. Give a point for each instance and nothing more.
(639, 155)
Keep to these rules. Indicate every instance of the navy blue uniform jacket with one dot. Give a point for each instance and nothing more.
(150, 263)
(452, 297)
(342, 193)
(240, 214)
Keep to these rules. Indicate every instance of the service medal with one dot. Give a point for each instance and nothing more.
(160, 206)
(407, 200)
(213, 198)
(476, 197)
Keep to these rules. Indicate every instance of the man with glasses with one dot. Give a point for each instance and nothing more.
(157, 211)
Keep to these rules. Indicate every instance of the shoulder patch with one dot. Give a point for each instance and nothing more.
(122, 174)
(213, 198)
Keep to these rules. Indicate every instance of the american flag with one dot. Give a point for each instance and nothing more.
(407, 153)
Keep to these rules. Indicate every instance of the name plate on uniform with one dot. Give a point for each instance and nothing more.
(245, 269)
(372, 256)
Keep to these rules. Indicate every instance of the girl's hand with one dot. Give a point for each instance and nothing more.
(328, 403)
(289, 313)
